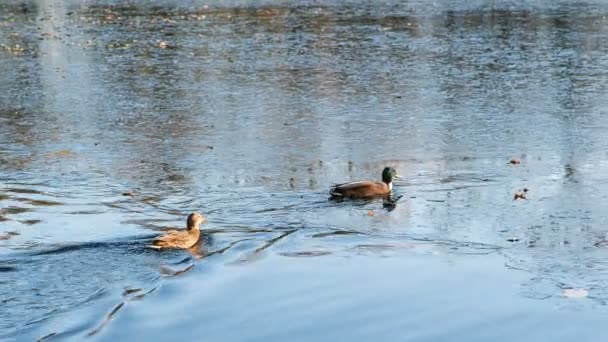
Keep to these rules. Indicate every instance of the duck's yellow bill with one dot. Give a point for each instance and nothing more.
(397, 176)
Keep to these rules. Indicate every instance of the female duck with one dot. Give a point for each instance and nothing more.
(181, 238)
(366, 189)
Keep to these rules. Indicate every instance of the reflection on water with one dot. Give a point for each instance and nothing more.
(117, 120)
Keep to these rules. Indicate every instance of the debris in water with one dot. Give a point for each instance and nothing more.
(520, 194)
(575, 293)
(513, 239)
(370, 213)
(514, 161)
(163, 45)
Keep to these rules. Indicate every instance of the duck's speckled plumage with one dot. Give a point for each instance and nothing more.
(181, 238)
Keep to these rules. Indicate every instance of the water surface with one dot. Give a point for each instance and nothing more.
(117, 120)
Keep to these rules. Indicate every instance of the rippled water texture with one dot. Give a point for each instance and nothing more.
(119, 118)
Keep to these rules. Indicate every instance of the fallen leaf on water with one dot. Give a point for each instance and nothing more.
(163, 45)
(575, 293)
(370, 213)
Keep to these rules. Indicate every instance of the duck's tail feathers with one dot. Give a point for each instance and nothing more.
(335, 194)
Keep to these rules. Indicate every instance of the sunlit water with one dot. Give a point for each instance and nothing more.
(117, 121)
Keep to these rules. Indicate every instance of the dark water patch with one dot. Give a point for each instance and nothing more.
(85, 212)
(24, 191)
(287, 207)
(453, 188)
(151, 223)
(46, 337)
(274, 240)
(185, 260)
(8, 235)
(27, 245)
(126, 245)
(107, 319)
(257, 253)
(382, 247)
(230, 230)
(170, 272)
(4, 268)
(305, 254)
(66, 334)
(129, 291)
(35, 202)
(6, 300)
(227, 247)
(12, 210)
(143, 295)
(338, 233)
(70, 248)
(99, 293)
(94, 270)
(30, 222)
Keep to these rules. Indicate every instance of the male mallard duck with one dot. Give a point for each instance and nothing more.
(366, 189)
(181, 238)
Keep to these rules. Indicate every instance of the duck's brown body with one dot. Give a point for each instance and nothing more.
(181, 238)
(366, 189)
(361, 189)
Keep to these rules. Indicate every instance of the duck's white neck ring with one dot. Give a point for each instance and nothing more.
(390, 186)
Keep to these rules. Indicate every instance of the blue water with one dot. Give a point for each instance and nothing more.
(117, 120)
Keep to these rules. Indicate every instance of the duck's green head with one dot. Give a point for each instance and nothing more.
(388, 174)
